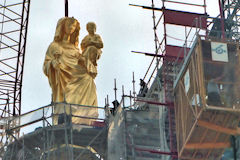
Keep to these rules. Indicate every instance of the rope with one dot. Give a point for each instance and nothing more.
(178, 39)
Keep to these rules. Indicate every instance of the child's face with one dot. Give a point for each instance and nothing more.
(91, 28)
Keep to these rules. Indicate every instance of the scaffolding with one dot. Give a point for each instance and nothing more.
(226, 24)
(203, 113)
(148, 128)
(42, 139)
(13, 35)
(168, 49)
(135, 134)
(13, 26)
(171, 52)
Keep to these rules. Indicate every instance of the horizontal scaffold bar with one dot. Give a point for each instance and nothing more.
(217, 145)
(218, 128)
(155, 102)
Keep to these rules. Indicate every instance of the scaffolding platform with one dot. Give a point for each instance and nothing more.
(138, 134)
(60, 141)
(207, 99)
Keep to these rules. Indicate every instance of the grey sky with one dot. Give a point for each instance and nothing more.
(123, 28)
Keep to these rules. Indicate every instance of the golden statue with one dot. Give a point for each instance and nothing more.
(71, 74)
(62, 57)
(82, 89)
(92, 43)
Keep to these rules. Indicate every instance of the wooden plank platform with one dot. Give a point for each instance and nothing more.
(206, 121)
(210, 135)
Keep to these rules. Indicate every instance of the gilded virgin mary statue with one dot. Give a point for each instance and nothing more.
(70, 73)
(62, 57)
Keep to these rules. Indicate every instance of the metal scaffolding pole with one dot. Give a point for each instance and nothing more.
(14, 16)
(13, 27)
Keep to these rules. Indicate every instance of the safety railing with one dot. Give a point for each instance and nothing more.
(47, 116)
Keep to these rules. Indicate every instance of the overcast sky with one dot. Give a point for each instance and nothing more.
(123, 28)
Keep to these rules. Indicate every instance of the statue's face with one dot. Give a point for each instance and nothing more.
(70, 27)
(91, 28)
